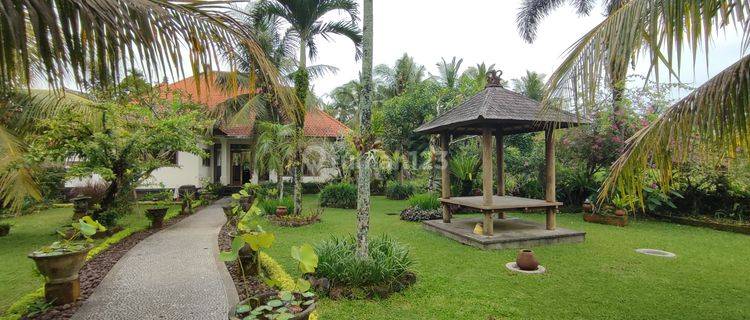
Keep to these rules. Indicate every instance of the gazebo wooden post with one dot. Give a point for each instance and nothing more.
(444, 174)
(549, 158)
(500, 157)
(487, 179)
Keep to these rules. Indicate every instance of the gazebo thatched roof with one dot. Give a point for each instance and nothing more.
(502, 110)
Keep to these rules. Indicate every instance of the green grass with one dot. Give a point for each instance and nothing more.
(30, 232)
(602, 278)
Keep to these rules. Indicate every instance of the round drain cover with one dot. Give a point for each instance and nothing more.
(512, 266)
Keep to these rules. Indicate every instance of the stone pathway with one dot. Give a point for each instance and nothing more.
(173, 274)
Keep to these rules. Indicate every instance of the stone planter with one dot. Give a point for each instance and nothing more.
(246, 202)
(619, 221)
(588, 207)
(61, 272)
(156, 215)
(4, 230)
(260, 299)
(526, 260)
(81, 207)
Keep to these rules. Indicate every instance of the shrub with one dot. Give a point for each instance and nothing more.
(268, 206)
(338, 262)
(339, 195)
(424, 201)
(51, 180)
(313, 187)
(96, 189)
(398, 191)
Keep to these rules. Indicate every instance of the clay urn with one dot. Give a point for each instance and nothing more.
(620, 212)
(526, 260)
(281, 211)
(587, 206)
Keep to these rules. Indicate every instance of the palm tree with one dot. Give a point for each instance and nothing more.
(365, 116)
(306, 23)
(533, 11)
(345, 100)
(404, 73)
(530, 85)
(274, 150)
(478, 74)
(90, 42)
(713, 115)
(448, 72)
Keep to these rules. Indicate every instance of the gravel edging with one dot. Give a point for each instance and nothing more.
(94, 271)
(254, 285)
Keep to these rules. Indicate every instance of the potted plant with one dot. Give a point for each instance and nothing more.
(81, 205)
(157, 213)
(5, 228)
(587, 206)
(60, 262)
(297, 304)
(621, 203)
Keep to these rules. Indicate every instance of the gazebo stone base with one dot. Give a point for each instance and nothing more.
(509, 233)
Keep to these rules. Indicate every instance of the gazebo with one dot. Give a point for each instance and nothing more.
(498, 112)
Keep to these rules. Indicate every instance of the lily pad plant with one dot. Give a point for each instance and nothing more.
(297, 304)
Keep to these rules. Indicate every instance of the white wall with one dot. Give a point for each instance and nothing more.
(190, 171)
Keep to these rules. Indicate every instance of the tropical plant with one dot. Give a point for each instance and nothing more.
(397, 79)
(268, 206)
(274, 150)
(338, 262)
(92, 42)
(85, 227)
(345, 100)
(339, 195)
(464, 168)
(449, 72)
(122, 151)
(395, 190)
(306, 24)
(530, 85)
(712, 115)
(478, 74)
(425, 201)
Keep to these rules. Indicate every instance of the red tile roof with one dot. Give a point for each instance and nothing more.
(318, 123)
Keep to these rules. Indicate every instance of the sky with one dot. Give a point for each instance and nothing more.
(482, 31)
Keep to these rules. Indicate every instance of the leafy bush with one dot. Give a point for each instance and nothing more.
(339, 195)
(96, 189)
(51, 180)
(268, 206)
(398, 191)
(425, 201)
(338, 262)
(313, 187)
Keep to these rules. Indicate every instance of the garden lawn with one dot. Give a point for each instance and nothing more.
(602, 278)
(30, 232)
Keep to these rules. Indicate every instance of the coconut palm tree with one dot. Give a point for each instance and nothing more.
(478, 74)
(404, 73)
(91, 42)
(530, 85)
(713, 115)
(448, 72)
(365, 137)
(533, 11)
(344, 102)
(307, 23)
(274, 150)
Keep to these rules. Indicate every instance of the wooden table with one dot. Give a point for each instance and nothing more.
(499, 205)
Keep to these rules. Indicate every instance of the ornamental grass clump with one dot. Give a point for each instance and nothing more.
(384, 272)
(425, 201)
(424, 206)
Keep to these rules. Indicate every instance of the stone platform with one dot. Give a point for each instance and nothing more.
(508, 233)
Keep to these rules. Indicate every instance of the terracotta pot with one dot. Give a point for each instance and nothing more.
(157, 217)
(588, 207)
(526, 260)
(256, 300)
(281, 211)
(81, 206)
(620, 212)
(4, 230)
(61, 272)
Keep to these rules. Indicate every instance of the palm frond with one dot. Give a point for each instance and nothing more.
(717, 114)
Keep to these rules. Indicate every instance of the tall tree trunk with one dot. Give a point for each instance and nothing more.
(301, 83)
(363, 182)
(280, 182)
